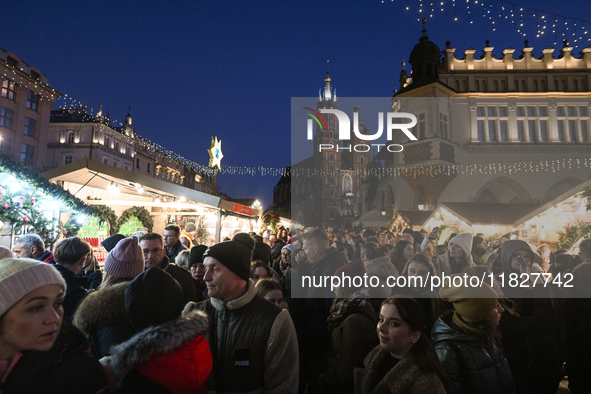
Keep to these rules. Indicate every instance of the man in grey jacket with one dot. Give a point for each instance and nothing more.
(253, 342)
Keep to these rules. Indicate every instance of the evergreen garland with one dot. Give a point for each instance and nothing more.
(38, 182)
(141, 213)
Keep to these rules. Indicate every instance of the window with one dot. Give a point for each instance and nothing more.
(35, 75)
(443, 125)
(573, 123)
(137, 163)
(148, 167)
(32, 101)
(421, 127)
(492, 123)
(30, 125)
(5, 145)
(68, 158)
(5, 117)
(105, 160)
(115, 164)
(71, 137)
(8, 89)
(12, 61)
(27, 154)
(532, 123)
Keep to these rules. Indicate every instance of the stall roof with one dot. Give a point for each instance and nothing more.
(567, 197)
(416, 218)
(94, 174)
(486, 213)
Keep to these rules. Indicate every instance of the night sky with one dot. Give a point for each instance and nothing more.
(193, 69)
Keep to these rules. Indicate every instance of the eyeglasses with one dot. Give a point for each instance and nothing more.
(154, 251)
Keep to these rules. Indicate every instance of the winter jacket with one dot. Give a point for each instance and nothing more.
(533, 339)
(173, 357)
(47, 257)
(381, 268)
(102, 317)
(404, 378)
(90, 279)
(475, 363)
(311, 309)
(75, 292)
(173, 251)
(183, 277)
(444, 264)
(531, 342)
(352, 338)
(253, 344)
(66, 368)
(577, 319)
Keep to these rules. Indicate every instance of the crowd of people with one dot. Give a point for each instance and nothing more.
(166, 315)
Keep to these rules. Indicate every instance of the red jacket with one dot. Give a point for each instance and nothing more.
(174, 356)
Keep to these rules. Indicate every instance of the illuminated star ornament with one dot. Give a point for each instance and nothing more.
(215, 153)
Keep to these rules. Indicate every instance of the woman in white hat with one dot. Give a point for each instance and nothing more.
(37, 354)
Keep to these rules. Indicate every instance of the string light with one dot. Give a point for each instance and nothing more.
(522, 18)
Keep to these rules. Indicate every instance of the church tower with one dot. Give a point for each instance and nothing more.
(328, 161)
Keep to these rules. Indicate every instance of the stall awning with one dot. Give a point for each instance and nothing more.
(94, 174)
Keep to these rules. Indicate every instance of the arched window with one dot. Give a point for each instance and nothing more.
(71, 137)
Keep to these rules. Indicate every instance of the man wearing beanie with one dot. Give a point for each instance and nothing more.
(253, 341)
(466, 342)
(155, 256)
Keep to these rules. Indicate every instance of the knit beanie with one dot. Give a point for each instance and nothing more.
(196, 255)
(190, 227)
(262, 252)
(153, 298)
(110, 242)
(464, 241)
(234, 255)
(477, 241)
(19, 277)
(126, 260)
(471, 303)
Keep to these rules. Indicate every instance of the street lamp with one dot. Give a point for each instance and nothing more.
(421, 204)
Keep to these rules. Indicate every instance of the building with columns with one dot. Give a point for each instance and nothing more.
(513, 129)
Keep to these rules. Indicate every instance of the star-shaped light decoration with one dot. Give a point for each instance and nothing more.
(215, 153)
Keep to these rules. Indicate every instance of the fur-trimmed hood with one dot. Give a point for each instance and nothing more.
(163, 339)
(106, 302)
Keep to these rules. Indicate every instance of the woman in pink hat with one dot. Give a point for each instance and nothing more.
(101, 316)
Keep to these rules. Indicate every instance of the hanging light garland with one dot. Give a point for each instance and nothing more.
(434, 169)
(527, 21)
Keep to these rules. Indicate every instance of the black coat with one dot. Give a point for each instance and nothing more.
(183, 277)
(75, 292)
(102, 317)
(577, 319)
(66, 368)
(531, 342)
(475, 363)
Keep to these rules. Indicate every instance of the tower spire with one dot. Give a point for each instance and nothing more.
(328, 96)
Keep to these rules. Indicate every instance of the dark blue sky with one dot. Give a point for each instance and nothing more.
(193, 69)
